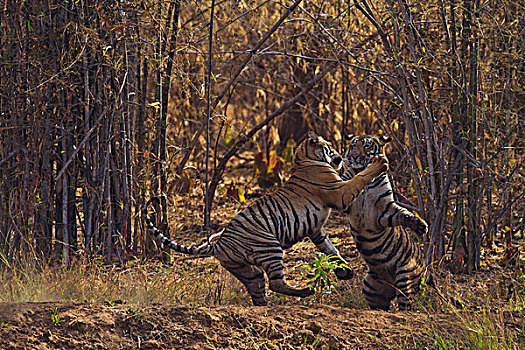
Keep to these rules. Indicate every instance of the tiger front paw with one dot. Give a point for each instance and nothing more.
(419, 226)
(259, 300)
(379, 165)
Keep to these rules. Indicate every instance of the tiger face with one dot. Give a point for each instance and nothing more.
(362, 149)
(315, 148)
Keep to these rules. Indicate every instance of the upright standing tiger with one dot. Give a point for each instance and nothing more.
(395, 262)
(254, 240)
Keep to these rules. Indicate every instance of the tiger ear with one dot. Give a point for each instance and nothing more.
(349, 136)
(312, 136)
(385, 139)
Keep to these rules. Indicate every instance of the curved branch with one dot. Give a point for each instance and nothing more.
(217, 174)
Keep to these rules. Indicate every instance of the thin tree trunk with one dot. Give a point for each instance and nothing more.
(65, 207)
(140, 183)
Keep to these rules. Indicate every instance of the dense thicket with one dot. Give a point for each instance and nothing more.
(105, 103)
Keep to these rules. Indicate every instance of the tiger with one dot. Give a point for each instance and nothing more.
(252, 243)
(395, 262)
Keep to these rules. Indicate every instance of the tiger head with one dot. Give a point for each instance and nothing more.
(315, 148)
(362, 149)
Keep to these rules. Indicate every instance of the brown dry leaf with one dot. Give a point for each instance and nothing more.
(260, 164)
(274, 136)
(235, 193)
(419, 166)
(273, 160)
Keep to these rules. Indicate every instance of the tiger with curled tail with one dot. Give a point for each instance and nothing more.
(252, 243)
(395, 261)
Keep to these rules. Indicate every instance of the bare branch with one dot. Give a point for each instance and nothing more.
(235, 76)
(240, 143)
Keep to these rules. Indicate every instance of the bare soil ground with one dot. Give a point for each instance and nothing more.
(103, 326)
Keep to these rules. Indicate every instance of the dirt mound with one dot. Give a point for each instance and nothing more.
(105, 326)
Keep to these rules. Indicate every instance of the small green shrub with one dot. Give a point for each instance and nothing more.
(56, 318)
(320, 268)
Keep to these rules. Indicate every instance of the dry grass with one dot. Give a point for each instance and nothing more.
(489, 320)
(192, 282)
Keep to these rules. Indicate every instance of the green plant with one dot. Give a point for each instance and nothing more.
(136, 314)
(423, 287)
(269, 172)
(441, 343)
(516, 291)
(427, 299)
(56, 318)
(487, 330)
(320, 269)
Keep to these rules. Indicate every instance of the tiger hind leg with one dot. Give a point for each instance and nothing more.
(404, 300)
(378, 293)
(274, 270)
(407, 285)
(253, 279)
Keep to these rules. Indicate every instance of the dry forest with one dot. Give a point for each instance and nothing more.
(105, 104)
